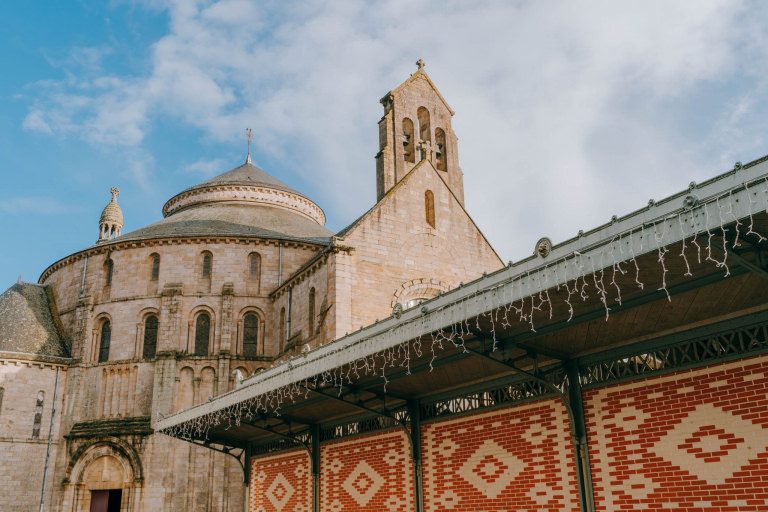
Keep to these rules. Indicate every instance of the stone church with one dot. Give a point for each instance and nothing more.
(240, 274)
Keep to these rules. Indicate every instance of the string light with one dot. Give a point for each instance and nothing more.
(525, 295)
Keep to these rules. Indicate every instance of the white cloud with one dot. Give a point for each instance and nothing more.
(207, 167)
(566, 112)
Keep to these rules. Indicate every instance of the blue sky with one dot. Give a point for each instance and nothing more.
(566, 113)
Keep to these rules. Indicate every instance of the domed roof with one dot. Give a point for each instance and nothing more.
(247, 175)
(112, 213)
(234, 219)
(245, 201)
(27, 322)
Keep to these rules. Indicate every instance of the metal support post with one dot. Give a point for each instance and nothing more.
(414, 411)
(579, 432)
(315, 432)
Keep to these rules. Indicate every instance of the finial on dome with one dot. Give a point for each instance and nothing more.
(420, 63)
(111, 220)
(249, 135)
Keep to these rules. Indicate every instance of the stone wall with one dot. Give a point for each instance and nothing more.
(397, 256)
(226, 295)
(22, 453)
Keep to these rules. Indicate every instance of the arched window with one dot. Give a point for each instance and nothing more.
(429, 207)
(104, 340)
(38, 415)
(409, 155)
(202, 334)
(424, 131)
(250, 335)
(150, 337)
(282, 327)
(110, 270)
(155, 267)
(207, 259)
(311, 325)
(254, 266)
(440, 150)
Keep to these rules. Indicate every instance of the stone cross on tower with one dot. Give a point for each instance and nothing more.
(115, 192)
(420, 63)
(425, 148)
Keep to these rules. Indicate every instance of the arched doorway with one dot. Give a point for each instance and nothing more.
(104, 477)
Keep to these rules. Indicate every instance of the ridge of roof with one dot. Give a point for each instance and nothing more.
(344, 232)
(420, 73)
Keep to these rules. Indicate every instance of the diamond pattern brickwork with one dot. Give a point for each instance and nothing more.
(281, 483)
(509, 459)
(694, 440)
(371, 473)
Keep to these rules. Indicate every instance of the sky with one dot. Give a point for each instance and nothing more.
(566, 112)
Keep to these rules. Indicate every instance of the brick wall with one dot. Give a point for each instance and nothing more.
(281, 483)
(518, 458)
(371, 473)
(694, 440)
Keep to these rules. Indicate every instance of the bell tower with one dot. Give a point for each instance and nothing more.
(417, 126)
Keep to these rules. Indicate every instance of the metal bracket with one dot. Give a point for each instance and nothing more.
(226, 451)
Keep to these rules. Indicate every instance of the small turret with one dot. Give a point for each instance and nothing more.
(111, 221)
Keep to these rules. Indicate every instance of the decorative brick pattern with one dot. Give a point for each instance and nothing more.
(371, 473)
(695, 440)
(281, 483)
(511, 459)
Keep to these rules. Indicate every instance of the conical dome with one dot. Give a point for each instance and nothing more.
(111, 220)
(27, 323)
(112, 212)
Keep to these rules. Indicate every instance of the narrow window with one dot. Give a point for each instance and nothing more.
(38, 415)
(202, 334)
(104, 339)
(440, 150)
(311, 326)
(424, 130)
(2, 392)
(254, 265)
(155, 267)
(110, 270)
(206, 265)
(282, 326)
(429, 206)
(150, 337)
(251, 335)
(409, 155)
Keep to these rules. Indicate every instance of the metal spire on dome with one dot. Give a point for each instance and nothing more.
(249, 135)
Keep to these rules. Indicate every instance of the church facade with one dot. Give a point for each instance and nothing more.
(240, 275)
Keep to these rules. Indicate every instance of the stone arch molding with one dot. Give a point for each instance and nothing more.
(120, 455)
(112, 447)
(422, 288)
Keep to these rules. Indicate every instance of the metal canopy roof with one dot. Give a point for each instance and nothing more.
(688, 261)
